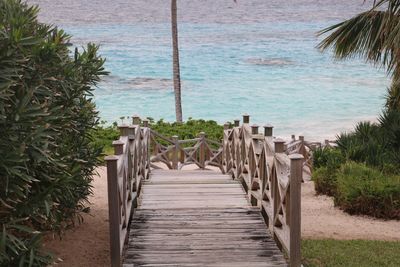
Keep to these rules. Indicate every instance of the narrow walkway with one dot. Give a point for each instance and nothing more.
(198, 218)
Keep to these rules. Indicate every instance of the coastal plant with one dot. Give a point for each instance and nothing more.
(46, 120)
(104, 135)
(377, 144)
(189, 129)
(373, 35)
(365, 190)
(326, 162)
(328, 157)
(325, 181)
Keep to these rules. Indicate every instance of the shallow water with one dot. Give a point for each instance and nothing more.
(255, 57)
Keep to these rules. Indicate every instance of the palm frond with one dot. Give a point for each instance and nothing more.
(363, 36)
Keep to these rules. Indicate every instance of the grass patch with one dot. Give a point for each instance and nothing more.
(357, 253)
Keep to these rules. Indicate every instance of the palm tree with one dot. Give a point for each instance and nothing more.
(375, 36)
(175, 57)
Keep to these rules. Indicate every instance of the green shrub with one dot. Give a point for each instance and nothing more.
(46, 119)
(104, 135)
(189, 129)
(374, 144)
(325, 181)
(328, 157)
(364, 190)
(326, 162)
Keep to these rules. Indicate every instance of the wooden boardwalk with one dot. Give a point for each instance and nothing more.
(198, 218)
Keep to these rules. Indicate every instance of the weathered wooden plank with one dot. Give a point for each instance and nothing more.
(226, 264)
(198, 218)
(206, 257)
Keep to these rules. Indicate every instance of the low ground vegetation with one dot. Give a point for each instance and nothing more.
(362, 172)
(350, 253)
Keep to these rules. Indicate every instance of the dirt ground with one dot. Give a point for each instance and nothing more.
(87, 244)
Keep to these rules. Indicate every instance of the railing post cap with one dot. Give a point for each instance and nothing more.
(246, 118)
(268, 126)
(258, 136)
(110, 158)
(123, 126)
(296, 156)
(117, 142)
(255, 125)
(279, 140)
(135, 119)
(174, 137)
(202, 133)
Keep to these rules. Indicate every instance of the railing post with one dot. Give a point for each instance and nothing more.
(327, 143)
(146, 123)
(246, 118)
(118, 147)
(123, 130)
(202, 152)
(236, 123)
(113, 210)
(135, 119)
(226, 126)
(175, 153)
(254, 129)
(279, 145)
(296, 176)
(268, 130)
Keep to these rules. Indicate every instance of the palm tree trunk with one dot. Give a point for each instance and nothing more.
(175, 56)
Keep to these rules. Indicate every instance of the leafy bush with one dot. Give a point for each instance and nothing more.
(364, 190)
(326, 161)
(189, 129)
(46, 119)
(328, 157)
(104, 135)
(325, 181)
(374, 144)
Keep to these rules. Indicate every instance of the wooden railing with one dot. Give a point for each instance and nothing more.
(270, 169)
(126, 170)
(176, 154)
(271, 177)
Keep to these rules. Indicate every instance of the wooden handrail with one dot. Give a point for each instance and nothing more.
(126, 170)
(272, 177)
(270, 170)
(176, 154)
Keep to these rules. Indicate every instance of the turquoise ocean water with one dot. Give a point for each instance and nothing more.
(257, 57)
